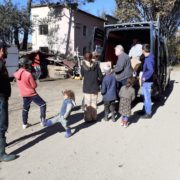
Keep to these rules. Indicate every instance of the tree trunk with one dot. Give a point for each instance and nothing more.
(26, 29)
(69, 31)
(16, 38)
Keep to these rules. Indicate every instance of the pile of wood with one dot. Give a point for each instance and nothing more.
(57, 72)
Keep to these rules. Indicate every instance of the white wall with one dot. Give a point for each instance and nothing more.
(90, 22)
(57, 28)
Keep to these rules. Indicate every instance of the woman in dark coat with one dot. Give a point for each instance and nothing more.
(92, 77)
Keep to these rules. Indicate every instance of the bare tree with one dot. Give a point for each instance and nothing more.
(148, 10)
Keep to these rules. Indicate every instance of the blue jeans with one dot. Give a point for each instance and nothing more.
(58, 119)
(146, 90)
(125, 118)
(3, 116)
(26, 106)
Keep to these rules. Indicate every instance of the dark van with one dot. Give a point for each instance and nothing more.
(146, 32)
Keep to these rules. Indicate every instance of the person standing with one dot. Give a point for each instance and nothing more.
(147, 80)
(127, 95)
(27, 89)
(108, 90)
(36, 65)
(5, 93)
(92, 77)
(123, 69)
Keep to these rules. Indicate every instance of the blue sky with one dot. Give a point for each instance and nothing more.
(95, 8)
(99, 6)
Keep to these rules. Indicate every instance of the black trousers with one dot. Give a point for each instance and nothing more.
(3, 116)
(109, 106)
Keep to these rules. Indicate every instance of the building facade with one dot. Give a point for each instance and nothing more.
(57, 28)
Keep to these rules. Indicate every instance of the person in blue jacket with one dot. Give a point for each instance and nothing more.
(108, 90)
(147, 80)
(66, 108)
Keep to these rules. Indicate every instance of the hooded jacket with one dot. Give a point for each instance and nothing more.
(92, 77)
(26, 83)
(108, 88)
(5, 86)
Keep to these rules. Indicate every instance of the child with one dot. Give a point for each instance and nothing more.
(108, 90)
(127, 95)
(66, 108)
(27, 88)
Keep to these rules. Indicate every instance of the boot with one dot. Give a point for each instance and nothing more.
(3, 156)
(68, 133)
(106, 113)
(113, 117)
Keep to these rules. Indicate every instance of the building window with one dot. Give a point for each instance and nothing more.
(84, 30)
(44, 49)
(43, 29)
(84, 50)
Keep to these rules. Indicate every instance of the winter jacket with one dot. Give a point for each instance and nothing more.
(66, 107)
(5, 86)
(92, 77)
(128, 93)
(108, 88)
(26, 83)
(148, 68)
(123, 69)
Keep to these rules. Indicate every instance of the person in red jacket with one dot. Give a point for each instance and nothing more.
(27, 89)
(36, 65)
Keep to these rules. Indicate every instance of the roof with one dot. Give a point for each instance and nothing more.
(60, 5)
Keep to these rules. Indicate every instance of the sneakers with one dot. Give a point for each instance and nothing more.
(113, 119)
(105, 118)
(24, 126)
(68, 133)
(124, 123)
(43, 122)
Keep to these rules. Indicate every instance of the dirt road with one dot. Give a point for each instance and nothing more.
(146, 150)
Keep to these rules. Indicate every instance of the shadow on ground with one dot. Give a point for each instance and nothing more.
(50, 131)
(158, 102)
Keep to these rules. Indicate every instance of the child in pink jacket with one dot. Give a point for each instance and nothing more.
(27, 89)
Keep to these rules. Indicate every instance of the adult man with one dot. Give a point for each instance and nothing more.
(123, 69)
(5, 92)
(147, 80)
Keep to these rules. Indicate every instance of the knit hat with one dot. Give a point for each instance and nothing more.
(107, 69)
